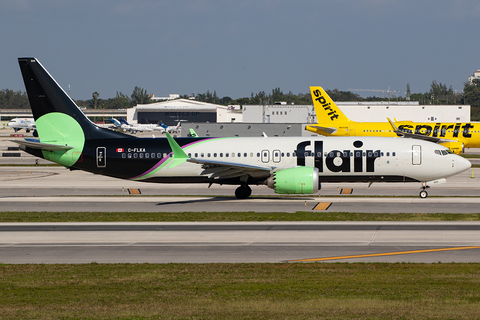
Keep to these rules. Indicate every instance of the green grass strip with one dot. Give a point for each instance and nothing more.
(240, 291)
(229, 216)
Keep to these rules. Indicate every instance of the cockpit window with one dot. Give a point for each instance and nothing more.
(442, 152)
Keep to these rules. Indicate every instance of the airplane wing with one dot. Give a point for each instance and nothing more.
(328, 130)
(42, 146)
(225, 170)
(416, 135)
(217, 169)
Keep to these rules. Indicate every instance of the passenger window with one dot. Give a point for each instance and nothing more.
(393, 154)
(124, 155)
(147, 155)
(141, 155)
(288, 154)
(388, 154)
(129, 156)
(215, 155)
(251, 154)
(153, 155)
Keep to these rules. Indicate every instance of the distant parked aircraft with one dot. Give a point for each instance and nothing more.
(133, 128)
(22, 123)
(172, 129)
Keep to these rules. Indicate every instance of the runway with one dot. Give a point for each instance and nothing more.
(240, 242)
(41, 188)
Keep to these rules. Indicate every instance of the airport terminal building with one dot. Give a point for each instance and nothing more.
(282, 119)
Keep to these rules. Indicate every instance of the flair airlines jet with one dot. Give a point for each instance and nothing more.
(333, 122)
(289, 165)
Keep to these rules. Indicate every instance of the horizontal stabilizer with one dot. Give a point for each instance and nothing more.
(328, 130)
(42, 146)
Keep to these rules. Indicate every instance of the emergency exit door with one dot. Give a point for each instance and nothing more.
(101, 157)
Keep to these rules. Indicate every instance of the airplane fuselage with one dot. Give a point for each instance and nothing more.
(466, 133)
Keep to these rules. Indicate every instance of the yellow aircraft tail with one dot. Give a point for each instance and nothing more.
(325, 108)
(330, 119)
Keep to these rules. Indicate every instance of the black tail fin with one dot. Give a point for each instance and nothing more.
(47, 97)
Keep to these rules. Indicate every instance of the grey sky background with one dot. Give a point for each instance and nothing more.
(240, 47)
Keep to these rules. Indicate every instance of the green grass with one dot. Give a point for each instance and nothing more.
(229, 216)
(240, 291)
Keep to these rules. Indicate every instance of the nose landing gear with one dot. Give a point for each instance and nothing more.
(424, 193)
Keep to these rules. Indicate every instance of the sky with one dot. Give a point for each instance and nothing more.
(239, 47)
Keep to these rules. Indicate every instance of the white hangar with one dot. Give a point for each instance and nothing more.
(170, 112)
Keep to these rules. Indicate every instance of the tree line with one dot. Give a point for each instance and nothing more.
(438, 94)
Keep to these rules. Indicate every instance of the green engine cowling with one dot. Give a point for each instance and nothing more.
(297, 180)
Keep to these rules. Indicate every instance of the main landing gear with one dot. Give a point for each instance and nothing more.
(243, 192)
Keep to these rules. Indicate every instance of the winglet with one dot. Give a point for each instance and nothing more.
(193, 133)
(179, 156)
(393, 125)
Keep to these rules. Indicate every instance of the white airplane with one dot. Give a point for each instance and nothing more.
(172, 129)
(22, 123)
(289, 165)
(139, 127)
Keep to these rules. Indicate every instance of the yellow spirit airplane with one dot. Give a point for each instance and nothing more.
(332, 122)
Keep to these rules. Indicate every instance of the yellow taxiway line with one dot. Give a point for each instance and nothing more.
(384, 254)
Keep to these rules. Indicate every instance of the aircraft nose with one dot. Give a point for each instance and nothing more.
(462, 164)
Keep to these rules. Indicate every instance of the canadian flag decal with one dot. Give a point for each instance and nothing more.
(119, 149)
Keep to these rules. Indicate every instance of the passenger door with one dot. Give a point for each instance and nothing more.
(417, 155)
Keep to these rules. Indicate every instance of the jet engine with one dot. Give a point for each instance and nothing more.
(297, 180)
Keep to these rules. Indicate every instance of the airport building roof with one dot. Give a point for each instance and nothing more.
(179, 104)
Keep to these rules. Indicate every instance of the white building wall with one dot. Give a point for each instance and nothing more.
(358, 112)
(416, 113)
(230, 114)
(278, 114)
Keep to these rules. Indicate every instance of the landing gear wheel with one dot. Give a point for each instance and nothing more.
(243, 192)
(423, 194)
